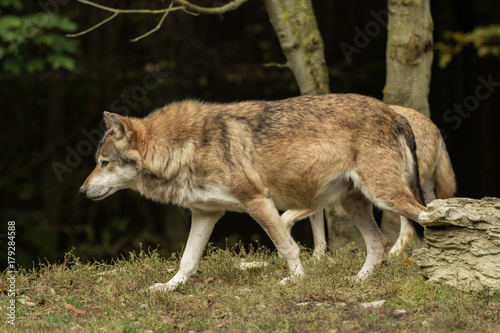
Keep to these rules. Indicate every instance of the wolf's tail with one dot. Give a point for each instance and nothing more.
(444, 177)
(412, 173)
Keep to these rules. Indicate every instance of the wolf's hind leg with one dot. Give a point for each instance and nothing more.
(406, 233)
(318, 230)
(361, 212)
(202, 226)
(291, 216)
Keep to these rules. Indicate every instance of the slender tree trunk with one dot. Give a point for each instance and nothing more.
(409, 54)
(295, 25)
(409, 59)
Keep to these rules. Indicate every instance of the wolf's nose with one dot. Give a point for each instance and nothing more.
(83, 191)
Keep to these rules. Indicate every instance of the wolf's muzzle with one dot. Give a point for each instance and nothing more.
(83, 191)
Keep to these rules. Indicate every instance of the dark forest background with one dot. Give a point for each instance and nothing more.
(50, 117)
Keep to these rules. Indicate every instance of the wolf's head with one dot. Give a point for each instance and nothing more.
(117, 157)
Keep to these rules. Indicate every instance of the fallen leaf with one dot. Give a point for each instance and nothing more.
(222, 325)
(408, 262)
(315, 297)
(76, 312)
(208, 280)
(26, 302)
(147, 266)
(167, 319)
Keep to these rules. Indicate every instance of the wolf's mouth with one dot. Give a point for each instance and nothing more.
(103, 195)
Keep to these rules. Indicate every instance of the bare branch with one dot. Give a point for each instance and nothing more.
(130, 11)
(213, 10)
(274, 64)
(184, 5)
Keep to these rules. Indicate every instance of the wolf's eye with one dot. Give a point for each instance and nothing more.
(104, 163)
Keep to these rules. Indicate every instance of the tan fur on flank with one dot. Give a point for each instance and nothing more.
(435, 172)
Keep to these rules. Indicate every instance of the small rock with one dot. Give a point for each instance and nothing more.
(303, 303)
(339, 305)
(252, 264)
(373, 305)
(399, 312)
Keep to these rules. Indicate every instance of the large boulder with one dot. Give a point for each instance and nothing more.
(463, 243)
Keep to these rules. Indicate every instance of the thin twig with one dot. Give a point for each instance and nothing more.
(274, 64)
(129, 11)
(158, 26)
(93, 27)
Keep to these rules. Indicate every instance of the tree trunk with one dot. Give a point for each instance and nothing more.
(295, 25)
(409, 59)
(409, 54)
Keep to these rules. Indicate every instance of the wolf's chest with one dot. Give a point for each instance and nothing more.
(213, 197)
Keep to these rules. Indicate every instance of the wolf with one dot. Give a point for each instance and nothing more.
(437, 180)
(259, 157)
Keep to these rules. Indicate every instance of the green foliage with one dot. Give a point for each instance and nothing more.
(485, 39)
(34, 42)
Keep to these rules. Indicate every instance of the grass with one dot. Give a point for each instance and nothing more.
(76, 296)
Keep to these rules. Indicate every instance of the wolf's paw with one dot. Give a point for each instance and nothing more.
(286, 281)
(317, 254)
(357, 279)
(396, 250)
(292, 279)
(162, 287)
(353, 279)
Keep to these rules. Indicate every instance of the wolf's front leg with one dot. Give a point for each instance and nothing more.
(262, 209)
(202, 225)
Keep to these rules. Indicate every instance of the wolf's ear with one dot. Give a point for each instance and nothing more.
(119, 125)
